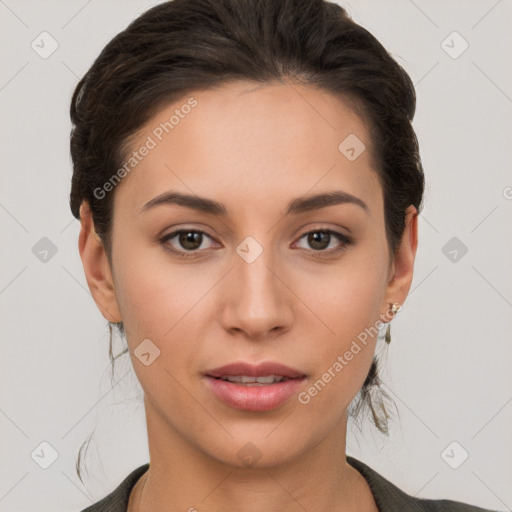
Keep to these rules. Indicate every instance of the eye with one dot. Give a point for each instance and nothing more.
(320, 240)
(189, 242)
(188, 239)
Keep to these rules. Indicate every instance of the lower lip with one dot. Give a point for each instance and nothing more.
(253, 398)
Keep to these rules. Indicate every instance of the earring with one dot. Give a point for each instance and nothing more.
(395, 307)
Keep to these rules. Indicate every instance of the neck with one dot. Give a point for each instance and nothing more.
(181, 477)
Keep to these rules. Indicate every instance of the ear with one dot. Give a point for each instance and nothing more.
(96, 266)
(402, 266)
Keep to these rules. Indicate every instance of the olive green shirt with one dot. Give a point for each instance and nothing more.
(388, 497)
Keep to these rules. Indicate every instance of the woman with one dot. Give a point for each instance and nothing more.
(248, 184)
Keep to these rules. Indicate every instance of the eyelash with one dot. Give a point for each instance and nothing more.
(193, 254)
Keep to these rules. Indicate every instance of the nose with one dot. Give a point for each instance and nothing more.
(257, 300)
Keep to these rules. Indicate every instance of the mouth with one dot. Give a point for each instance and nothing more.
(262, 387)
(264, 373)
(246, 380)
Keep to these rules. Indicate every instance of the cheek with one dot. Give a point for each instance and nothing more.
(153, 292)
(342, 356)
(160, 301)
(345, 297)
(167, 303)
(347, 303)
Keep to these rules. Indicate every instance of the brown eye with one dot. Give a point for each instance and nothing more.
(190, 239)
(188, 242)
(320, 240)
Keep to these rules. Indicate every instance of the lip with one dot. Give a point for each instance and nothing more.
(259, 370)
(254, 398)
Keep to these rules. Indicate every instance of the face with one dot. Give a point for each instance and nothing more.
(257, 282)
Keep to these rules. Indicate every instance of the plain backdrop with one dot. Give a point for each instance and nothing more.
(448, 366)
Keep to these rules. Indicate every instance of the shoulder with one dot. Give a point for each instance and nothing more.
(389, 497)
(117, 500)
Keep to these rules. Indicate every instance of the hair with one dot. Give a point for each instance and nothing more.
(181, 46)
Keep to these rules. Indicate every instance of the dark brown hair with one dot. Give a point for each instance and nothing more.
(181, 46)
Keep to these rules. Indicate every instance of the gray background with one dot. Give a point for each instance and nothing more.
(448, 366)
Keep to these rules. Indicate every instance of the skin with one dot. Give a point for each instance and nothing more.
(254, 148)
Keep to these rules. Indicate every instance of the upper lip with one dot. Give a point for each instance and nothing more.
(251, 370)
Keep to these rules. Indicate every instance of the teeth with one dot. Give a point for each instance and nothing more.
(244, 379)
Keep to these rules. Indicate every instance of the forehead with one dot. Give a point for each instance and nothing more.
(263, 141)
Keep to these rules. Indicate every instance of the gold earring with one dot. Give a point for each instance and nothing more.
(395, 307)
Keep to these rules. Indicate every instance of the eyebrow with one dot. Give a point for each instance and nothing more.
(295, 206)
